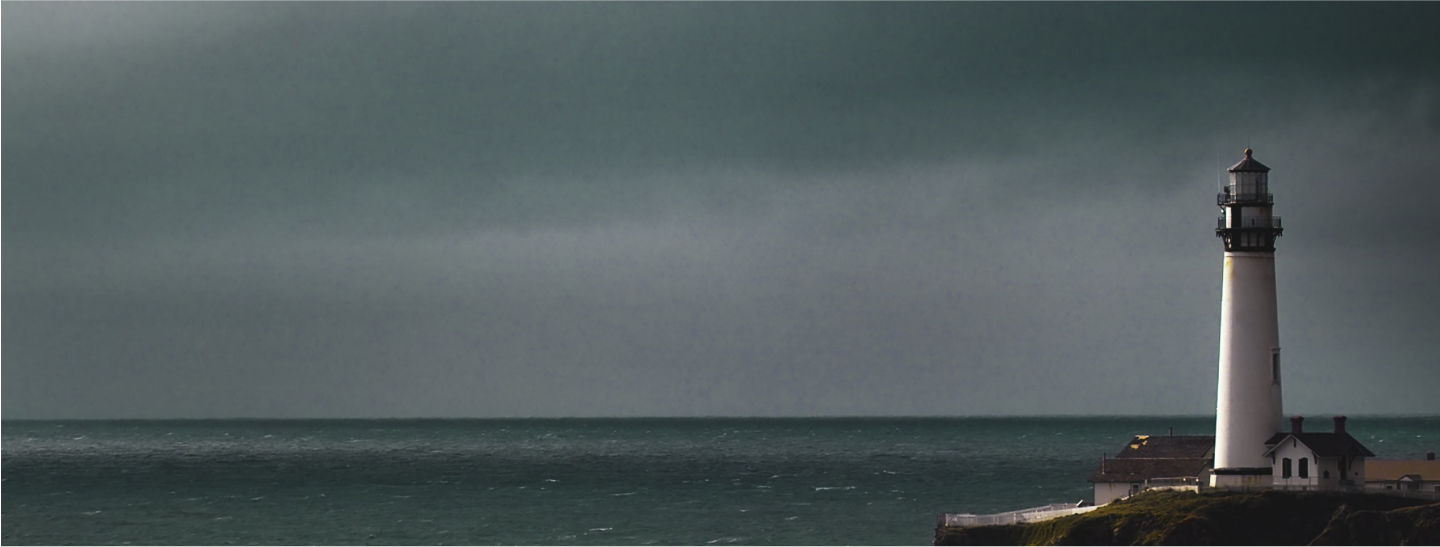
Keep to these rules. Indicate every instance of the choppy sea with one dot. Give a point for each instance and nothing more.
(823, 481)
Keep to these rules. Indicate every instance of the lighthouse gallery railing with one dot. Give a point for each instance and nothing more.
(1250, 223)
(1226, 198)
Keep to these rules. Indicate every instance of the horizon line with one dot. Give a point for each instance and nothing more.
(710, 417)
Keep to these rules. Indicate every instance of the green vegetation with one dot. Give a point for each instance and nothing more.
(1230, 518)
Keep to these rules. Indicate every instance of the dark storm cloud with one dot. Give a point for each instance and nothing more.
(552, 209)
(313, 106)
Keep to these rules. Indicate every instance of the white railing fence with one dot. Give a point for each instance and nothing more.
(1033, 514)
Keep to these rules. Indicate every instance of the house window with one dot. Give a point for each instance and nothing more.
(1275, 366)
(1304, 468)
(1325, 474)
(1285, 468)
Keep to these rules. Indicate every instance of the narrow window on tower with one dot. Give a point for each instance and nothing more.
(1275, 366)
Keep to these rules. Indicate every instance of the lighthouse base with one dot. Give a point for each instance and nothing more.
(1242, 477)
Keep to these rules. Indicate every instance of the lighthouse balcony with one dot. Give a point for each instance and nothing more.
(1227, 198)
(1250, 223)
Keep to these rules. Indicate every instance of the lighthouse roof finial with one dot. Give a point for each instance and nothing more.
(1249, 165)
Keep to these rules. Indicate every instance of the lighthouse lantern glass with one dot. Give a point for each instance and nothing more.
(1246, 186)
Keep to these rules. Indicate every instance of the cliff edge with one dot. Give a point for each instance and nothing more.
(1227, 518)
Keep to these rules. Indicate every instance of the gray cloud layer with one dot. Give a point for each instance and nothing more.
(482, 209)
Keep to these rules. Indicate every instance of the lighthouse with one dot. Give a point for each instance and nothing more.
(1248, 408)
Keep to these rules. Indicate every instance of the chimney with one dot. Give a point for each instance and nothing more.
(1295, 424)
(1430, 456)
(1339, 424)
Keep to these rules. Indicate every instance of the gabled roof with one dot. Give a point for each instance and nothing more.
(1184, 446)
(1249, 165)
(1148, 457)
(1323, 444)
(1143, 469)
(1392, 470)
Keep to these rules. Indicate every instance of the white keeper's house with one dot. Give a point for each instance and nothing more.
(1302, 460)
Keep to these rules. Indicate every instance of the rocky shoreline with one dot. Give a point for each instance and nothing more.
(1226, 518)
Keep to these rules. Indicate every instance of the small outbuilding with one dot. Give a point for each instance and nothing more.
(1403, 475)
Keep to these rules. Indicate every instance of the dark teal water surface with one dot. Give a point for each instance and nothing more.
(822, 481)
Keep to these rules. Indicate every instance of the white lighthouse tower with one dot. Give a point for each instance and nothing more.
(1247, 411)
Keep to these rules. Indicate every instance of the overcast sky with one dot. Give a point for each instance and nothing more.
(552, 209)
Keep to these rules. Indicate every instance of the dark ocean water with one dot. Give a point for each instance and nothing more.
(573, 481)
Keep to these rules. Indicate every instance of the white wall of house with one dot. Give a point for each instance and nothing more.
(1331, 476)
(1357, 470)
(1329, 473)
(1293, 451)
(1106, 492)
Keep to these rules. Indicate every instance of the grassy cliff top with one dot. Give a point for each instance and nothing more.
(1228, 518)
